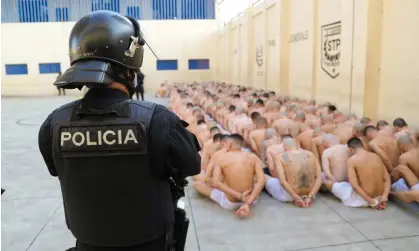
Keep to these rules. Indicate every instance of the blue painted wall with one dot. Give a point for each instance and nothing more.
(25, 11)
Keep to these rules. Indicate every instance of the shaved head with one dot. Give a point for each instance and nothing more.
(405, 139)
(309, 109)
(240, 110)
(327, 118)
(270, 133)
(289, 143)
(317, 132)
(330, 139)
(359, 127)
(275, 105)
(300, 116)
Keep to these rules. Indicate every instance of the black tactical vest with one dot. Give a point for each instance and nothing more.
(110, 196)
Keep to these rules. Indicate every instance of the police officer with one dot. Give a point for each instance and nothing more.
(114, 156)
(140, 86)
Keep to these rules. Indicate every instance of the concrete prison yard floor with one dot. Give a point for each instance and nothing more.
(33, 218)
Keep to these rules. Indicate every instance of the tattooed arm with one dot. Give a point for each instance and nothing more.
(262, 152)
(318, 180)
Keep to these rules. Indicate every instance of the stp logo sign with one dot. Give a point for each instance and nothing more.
(330, 50)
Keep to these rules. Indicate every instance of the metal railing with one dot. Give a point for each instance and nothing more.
(30, 11)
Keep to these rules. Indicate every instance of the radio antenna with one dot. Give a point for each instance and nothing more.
(147, 42)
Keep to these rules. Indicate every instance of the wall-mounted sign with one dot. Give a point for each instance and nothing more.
(330, 49)
(259, 56)
(299, 36)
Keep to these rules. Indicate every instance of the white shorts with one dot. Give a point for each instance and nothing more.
(274, 188)
(401, 186)
(220, 197)
(323, 177)
(247, 150)
(345, 192)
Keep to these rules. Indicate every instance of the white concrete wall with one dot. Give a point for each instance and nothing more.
(34, 43)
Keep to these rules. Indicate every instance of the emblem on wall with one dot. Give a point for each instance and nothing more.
(259, 56)
(330, 49)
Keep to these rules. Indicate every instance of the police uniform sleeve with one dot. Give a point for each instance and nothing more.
(45, 145)
(183, 149)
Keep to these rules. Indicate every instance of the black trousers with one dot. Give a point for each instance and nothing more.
(142, 95)
(139, 90)
(159, 244)
(59, 91)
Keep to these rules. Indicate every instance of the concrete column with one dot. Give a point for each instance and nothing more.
(265, 47)
(316, 56)
(284, 46)
(250, 45)
(372, 71)
(229, 56)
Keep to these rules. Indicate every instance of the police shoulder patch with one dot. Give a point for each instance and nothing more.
(102, 138)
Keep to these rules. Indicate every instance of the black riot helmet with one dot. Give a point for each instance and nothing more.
(105, 46)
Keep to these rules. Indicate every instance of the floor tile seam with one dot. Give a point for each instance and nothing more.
(193, 220)
(331, 208)
(355, 242)
(396, 237)
(30, 198)
(333, 245)
(43, 227)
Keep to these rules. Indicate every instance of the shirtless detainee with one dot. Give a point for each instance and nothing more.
(305, 138)
(257, 136)
(406, 175)
(384, 146)
(400, 127)
(285, 125)
(209, 148)
(334, 159)
(311, 119)
(271, 138)
(271, 152)
(300, 119)
(317, 143)
(247, 128)
(358, 131)
(344, 132)
(272, 111)
(228, 116)
(299, 176)
(384, 128)
(328, 123)
(366, 121)
(208, 159)
(259, 107)
(162, 91)
(207, 135)
(234, 178)
(237, 121)
(369, 181)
